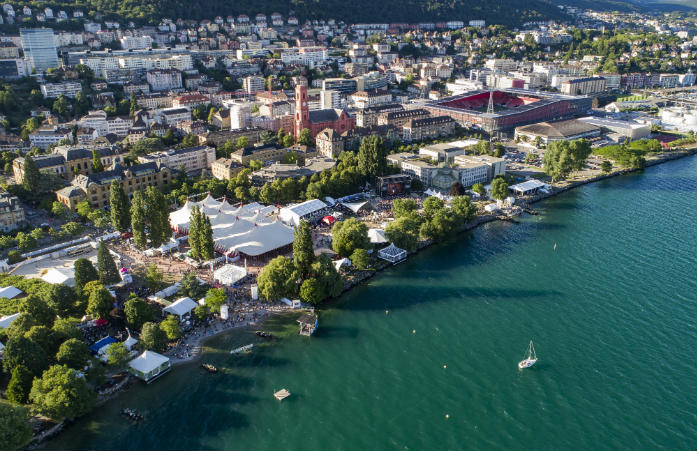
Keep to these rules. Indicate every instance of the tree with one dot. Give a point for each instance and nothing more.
(14, 256)
(215, 297)
(25, 241)
(456, 189)
(360, 259)
(242, 142)
(61, 106)
(157, 216)
(303, 252)
(137, 312)
(305, 138)
(201, 312)
(479, 189)
(348, 236)
(66, 328)
(190, 286)
(417, 185)
(463, 209)
(133, 105)
(58, 209)
(432, 205)
(73, 353)
(106, 268)
(153, 338)
(20, 350)
(206, 243)
(255, 165)
(153, 277)
(195, 232)
(403, 207)
(138, 220)
(326, 274)
(288, 141)
(404, 232)
(440, 225)
(189, 141)
(61, 393)
(557, 160)
(15, 430)
(97, 165)
(311, 291)
(372, 156)
(606, 166)
(84, 272)
(499, 188)
(31, 177)
(171, 327)
(100, 303)
(40, 312)
(278, 279)
(60, 298)
(118, 203)
(20, 385)
(117, 355)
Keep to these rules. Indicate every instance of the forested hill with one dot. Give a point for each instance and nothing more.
(506, 12)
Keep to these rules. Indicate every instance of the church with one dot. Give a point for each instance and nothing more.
(317, 120)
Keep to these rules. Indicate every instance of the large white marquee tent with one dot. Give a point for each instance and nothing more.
(248, 229)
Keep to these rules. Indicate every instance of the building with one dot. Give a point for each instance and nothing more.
(192, 159)
(628, 129)
(374, 97)
(11, 213)
(48, 135)
(164, 79)
(136, 42)
(190, 101)
(412, 165)
(174, 116)
(317, 120)
(479, 168)
(276, 171)
(264, 153)
(557, 131)
(368, 117)
(253, 84)
(240, 115)
(340, 85)
(310, 210)
(149, 366)
(583, 86)
(329, 143)
(400, 117)
(94, 188)
(428, 128)
(220, 137)
(446, 152)
(39, 48)
(67, 88)
(68, 161)
(225, 168)
(512, 108)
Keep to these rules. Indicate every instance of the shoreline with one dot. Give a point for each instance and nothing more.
(356, 279)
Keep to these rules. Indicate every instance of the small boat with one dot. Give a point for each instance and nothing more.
(281, 394)
(245, 349)
(210, 368)
(262, 334)
(131, 414)
(530, 359)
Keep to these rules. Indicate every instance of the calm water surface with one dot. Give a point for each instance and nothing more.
(612, 313)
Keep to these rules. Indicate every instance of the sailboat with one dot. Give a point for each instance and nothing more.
(530, 359)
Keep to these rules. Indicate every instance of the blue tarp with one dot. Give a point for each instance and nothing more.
(101, 343)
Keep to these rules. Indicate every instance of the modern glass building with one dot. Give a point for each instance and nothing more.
(39, 48)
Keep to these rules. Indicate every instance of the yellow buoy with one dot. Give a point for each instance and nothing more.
(447, 416)
(413, 331)
(387, 312)
(445, 366)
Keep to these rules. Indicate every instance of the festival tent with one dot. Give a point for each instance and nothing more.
(149, 365)
(357, 207)
(338, 264)
(229, 274)
(10, 292)
(66, 276)
(392, 253)
(102, 344)
(130, 342)
(377, 236)
(293, 214)
(209, 201)
(181, 307)
(262, 239)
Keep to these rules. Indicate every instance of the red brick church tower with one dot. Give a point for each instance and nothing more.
(302, 109)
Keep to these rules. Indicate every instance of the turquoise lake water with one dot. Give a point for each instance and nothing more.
(612, 312)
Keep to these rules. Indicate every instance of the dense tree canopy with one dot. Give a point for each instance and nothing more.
(61, 393)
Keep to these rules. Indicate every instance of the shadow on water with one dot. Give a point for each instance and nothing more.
(326, 332)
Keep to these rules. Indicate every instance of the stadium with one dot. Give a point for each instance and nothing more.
(511, 108)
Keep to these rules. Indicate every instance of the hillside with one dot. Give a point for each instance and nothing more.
(507, 12)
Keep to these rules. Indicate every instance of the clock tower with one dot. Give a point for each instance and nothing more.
(302, 109)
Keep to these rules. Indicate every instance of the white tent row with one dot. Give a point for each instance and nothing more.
(229, 274)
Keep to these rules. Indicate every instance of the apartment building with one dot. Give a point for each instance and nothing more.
(48, 135)
(68, 161)
(192, 159)
(67, 88)
(11, 213)
(225, 168)
(173, 116)
(428, 128)
(164, 79)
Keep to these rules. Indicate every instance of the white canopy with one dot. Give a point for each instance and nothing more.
(262, 239)
(65, 276)
(5, 321)
(181, 306)
(130, 342)
(229, 274)
(10, 292)
(358, 206)
(209, 201)
(148, 361)
(342, 262)
(377, 236)
(293, 214)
